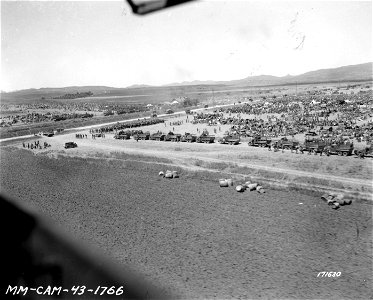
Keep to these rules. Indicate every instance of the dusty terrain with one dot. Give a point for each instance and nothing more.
(195, 237)
(350, 173)
(202, 240)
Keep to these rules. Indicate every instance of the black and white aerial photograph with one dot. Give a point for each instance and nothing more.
(186, 149)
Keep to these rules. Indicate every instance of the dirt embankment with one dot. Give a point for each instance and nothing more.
(206, 241)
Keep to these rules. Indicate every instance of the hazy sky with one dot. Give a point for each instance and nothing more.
(55, 44)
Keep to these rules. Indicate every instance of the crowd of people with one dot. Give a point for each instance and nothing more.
(35, 145)
(35, 117)
(335, 117)
(176, 123)
(54, 110)
(126, 125)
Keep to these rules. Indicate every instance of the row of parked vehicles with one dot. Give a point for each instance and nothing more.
(176, 137)
(312, 145)
(159, 136)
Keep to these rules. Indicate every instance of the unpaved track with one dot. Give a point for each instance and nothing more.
(187, 153)
(171, 154)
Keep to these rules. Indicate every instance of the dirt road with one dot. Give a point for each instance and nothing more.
(349, 171)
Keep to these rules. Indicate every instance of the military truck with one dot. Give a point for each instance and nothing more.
(70, 145)
(259, 141)
(158, 136)
(367, 152)
(205, 138)
(285, 143)
(341, 149)
(141, 135)
(188, 137)
(230, 139)
(122, 135)
(48, 134)
(176, 137)
(314, 146)
(171, 137)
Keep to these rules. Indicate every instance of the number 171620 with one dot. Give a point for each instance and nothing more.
(329, 274)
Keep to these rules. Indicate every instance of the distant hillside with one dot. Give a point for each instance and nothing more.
(137, 86)
(354, 72)
(194, 82)
(346, 73)
(358, 72)
(32, 94)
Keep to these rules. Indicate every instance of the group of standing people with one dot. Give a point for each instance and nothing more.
(36, 145)
(98, 135)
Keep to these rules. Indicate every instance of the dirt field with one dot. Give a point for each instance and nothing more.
(202, 240)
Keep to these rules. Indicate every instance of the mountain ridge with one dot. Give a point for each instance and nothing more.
(358, 72)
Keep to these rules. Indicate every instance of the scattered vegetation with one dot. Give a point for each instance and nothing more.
(75, 96)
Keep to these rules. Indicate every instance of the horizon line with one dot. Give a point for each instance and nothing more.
(183, 82)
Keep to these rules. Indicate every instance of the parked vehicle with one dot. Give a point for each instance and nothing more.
(314, 146)
(340, 149)
(176, 137)
(70, 145)
(367, 152)
(158, 136)
(141, 136)
(48, 134)
(260, 141)
(189, 138)
(230, 139)
(123, 135)
(285, 143)
(205, 138)
(173, 137)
